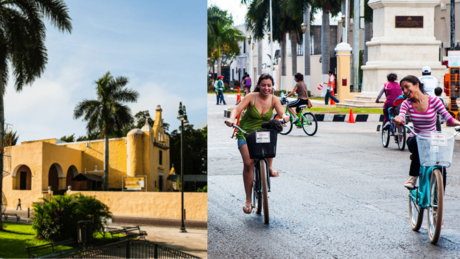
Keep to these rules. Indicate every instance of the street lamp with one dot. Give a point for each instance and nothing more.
(182, 117)
(249, 40)
(269, 38)
(304, 27)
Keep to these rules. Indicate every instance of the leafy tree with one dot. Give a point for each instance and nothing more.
(22, 45)
(56, 219)
(195, 150)
(70, 138)
(11, 139)
(221, 32)
(106, 114)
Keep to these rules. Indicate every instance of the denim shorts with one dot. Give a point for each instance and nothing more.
(241, 141)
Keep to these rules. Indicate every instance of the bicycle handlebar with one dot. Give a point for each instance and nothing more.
(413, 132)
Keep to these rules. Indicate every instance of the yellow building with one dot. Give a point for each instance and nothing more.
(37, 166)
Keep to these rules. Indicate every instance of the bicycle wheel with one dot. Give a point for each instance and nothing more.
(263, 181)
(256, 199)
(436, 203)
(385, 136)
(415, 214)
(310, 125)
(287, 127)
(401, 138)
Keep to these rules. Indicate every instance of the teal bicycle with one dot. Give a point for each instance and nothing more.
(307, 120)
(435, 151)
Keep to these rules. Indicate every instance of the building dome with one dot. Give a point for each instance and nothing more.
(135, 131)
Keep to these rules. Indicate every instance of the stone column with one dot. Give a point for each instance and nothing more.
(343, 53)
(403, 51)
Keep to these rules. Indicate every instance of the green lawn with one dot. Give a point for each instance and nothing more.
(16, 237)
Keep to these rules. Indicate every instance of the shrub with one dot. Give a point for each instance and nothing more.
(204, 189)
(57, 218)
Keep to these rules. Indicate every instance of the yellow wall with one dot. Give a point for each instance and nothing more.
(62, 156)
(153, 204)
(94, 155)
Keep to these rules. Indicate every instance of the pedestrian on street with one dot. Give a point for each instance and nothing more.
(392, 90)
(430, 83)
(19, 204)
(259, 106)
(220, 90)
(247, 85)
(330, 88)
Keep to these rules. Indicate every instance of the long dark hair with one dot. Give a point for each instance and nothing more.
(262, 77)
(392, 77)
(413, 80)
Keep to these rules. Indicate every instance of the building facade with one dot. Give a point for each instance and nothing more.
(43, 166)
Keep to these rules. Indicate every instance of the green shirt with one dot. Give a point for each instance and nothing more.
(253, 120)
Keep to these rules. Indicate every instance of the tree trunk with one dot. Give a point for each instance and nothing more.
(325, 41)
(106, 162)
(307, 48)
(368, 32)
(219, 64)
(283, 62)
(356, 49)
(259, 58)
(293, 35)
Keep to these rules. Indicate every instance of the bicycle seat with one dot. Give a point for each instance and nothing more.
(302, 106)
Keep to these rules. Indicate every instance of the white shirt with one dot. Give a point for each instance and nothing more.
(429, 83)
(331, 80)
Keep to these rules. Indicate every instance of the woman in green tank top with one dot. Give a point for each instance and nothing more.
(259, 106)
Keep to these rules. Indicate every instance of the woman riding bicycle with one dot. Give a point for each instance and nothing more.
(423, 109)
(259, 106)
(392, 90)
(302, 99)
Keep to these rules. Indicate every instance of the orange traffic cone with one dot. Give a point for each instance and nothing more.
(351, 118)
(238, 97)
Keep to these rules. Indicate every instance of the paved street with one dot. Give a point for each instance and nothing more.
(340, 194)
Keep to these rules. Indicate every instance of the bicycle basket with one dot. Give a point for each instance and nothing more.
(262, 143)
(435, 148)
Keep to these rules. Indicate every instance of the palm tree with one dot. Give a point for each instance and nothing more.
(328, 7)
(368, 28)
(225, 35)
(287, 17)
(107, 114)
(22, 45)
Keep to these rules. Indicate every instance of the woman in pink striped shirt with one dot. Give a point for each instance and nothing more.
(423, 109)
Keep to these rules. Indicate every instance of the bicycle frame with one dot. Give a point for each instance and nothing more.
(300, 115)
(421, 194)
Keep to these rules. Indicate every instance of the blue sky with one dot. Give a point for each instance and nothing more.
(159, 45)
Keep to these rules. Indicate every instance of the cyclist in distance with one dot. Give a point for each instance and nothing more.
(430, 83)
(423, 109)
(301, 89)
(392, 90)
(259, 106)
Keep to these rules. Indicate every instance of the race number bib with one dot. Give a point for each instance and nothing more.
(263, 137)
(438, 139)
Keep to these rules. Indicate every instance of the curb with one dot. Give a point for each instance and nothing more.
(160, 222)
(328, 117)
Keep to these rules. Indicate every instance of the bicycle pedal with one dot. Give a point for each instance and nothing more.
(413, 188)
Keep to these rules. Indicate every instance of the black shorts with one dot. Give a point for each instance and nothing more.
(297, 103)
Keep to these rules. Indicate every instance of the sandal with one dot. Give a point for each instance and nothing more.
(248, 209)
(275, 174)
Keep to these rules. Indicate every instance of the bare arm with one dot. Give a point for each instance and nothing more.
(279, 109)
(292, 93)
(238, 109)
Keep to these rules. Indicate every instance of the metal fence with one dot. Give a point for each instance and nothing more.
(129, 249)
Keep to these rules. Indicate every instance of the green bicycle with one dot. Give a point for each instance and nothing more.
(307, 120)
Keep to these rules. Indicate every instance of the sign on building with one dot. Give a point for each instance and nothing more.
(135, 183)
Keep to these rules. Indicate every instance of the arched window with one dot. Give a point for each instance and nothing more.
(22, 178)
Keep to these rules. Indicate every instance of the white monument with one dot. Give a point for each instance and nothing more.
(403, 42)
